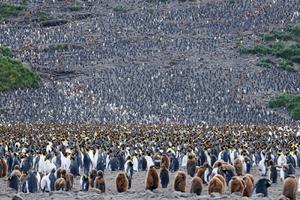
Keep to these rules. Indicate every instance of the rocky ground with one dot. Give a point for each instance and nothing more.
(137, 192)
(139, 61)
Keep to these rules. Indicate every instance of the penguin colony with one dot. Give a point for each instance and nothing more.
(47, 160)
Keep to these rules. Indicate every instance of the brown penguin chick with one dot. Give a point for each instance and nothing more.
(152, 179)
(238, 166)
(215, 185)
(23, 180)
(16, 171)
(251, 177)
(218, 163)
(290, 187)
(68, 178)
(58, 172)
(180, 181)
(165, 160)
(3, 168)
(71, 178)
(60, 184)
(42, 174)
(99, 182)
(200, 172)
(92, 177)
(229, 167)
(221, 178)
(236, 184)
(121, 182)
(249, 182)
(191, 165)
(196, 185)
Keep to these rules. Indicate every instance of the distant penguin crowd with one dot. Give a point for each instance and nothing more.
(45, 158)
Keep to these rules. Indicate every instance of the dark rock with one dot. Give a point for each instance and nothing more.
(55, 22)
(17, 197)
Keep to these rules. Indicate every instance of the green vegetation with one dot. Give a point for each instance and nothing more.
(282, 45)
(290, 33)
(286, 65)
(75, 8)
(13, 74)
(7, 11)
(6, 52)
(120, 9)
(266, 62)
(289, 101)
(155, 1)
(279, 63)
(42, 16)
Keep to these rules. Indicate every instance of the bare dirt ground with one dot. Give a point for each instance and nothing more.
(137, 191)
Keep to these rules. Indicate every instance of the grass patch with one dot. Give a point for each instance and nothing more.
(286, 65)
(42, 16)
(156, 1)
(7, 11)
(4, 51)
(266, 62)
(14, 74)
(288, 101)
(284, 45)
(75, 8)
(120, 9)
(289, 33)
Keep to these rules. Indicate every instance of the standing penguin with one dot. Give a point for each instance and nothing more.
(129, 172)
(149, 160)
(248, 164)
(87, 162)
(164, 176)
(31, 184)
(48, 181)
(26, 164)
(273, 171)
(9, 161)
(113, 163)
(52, 179)
(57, 159)
(84, 182)
(74, 166)
(142, 163)
(135, 163)
(99, 182)
(121, 161)
(101, 161)
(174, 163)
